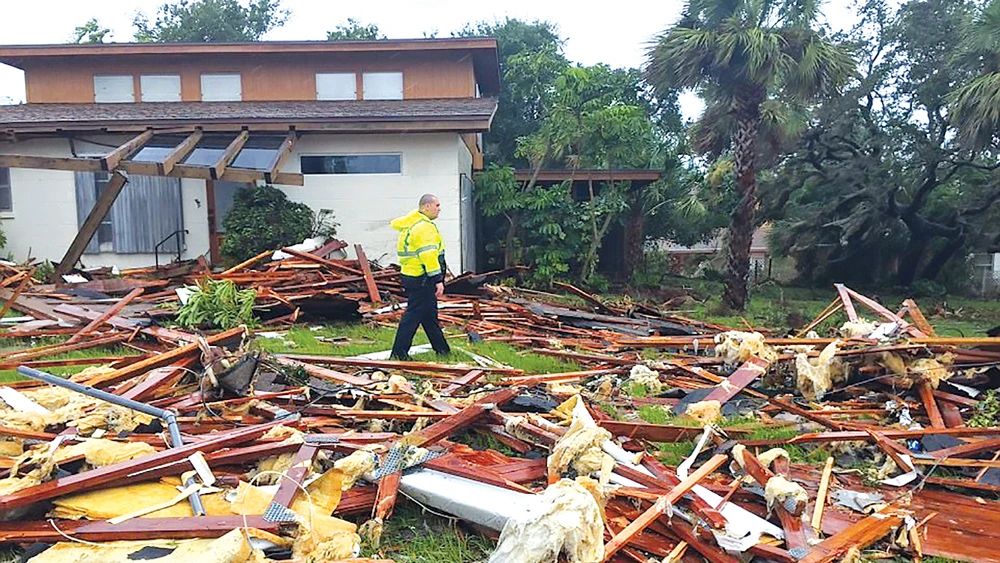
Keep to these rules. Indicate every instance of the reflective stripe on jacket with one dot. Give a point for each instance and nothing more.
(419, 246)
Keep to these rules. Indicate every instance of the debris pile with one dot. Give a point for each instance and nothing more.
(182, 445)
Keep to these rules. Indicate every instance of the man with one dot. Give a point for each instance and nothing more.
(421, 259)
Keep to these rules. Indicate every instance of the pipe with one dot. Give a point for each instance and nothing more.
(168, 417)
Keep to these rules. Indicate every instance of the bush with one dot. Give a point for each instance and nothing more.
(262, 219)
(218, 303)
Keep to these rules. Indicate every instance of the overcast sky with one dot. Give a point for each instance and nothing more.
(615, 33)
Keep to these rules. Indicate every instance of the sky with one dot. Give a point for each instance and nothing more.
(616, 34)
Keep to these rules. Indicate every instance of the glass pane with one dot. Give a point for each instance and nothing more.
(352, 164)
(158, 148)
(208, 151)
(5, 200)
(4, 176)
(257, 153)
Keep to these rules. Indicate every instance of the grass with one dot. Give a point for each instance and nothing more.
(414, 536)
(12, 345)
(352, 340)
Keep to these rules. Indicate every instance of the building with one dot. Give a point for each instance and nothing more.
(360, 128)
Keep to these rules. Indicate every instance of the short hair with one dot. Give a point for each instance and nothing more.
(427, 198)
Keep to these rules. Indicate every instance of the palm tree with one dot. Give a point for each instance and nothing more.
(975, 107)
(741, 54)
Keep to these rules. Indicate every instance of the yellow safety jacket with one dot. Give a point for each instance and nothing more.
(419, 246)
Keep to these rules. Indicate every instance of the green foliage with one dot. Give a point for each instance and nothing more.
(208, 21)
(44, 270)
(987, 411)
(218, 303)
(90, 32)
(262, 219)
(354, 30)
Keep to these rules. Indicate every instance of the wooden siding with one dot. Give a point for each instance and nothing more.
(264, 77)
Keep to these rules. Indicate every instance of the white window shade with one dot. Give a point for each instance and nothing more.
(114, 89)
(160, 87)
(383, 85)
(221, 88)
(336, 86)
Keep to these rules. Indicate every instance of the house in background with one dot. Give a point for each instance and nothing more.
(360, 128)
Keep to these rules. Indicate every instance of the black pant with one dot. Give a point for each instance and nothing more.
(421, 310)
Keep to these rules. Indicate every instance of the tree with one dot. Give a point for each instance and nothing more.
(353, 30)
(263, 218)
(207, 21)
(878, 190)
(90, 32)
(741, 54)
(976, 105)
(531, 58)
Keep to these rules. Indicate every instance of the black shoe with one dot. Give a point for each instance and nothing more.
(400, 358)
(444, 354)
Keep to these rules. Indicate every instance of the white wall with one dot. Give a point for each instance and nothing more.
(364, 204)
(44, 220)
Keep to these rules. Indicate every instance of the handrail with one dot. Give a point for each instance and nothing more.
(174, 235)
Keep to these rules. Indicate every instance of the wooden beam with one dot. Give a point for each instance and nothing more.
(859, 535)
(284, 151)
(824, 486)
(930, 405)
(101, 208)
(110, 312)
(229, 155)
(366, 269)
(845, 297)
(660, 507)
(179, 152)
(111, 160)
(50, 163)
(119, 472)
(752, 369)
(137, 529)
(25, 282)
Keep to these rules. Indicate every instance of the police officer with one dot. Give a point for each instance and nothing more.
(421, 259)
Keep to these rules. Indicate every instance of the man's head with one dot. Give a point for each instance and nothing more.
(430, 206)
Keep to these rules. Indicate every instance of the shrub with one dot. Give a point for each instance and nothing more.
(262, 219)
(219, 303)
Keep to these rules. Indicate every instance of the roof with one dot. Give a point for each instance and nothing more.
(585, 174)
(483, 49)
(448, 114)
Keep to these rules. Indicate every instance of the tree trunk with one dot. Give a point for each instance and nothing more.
(942, 256)
(634, 234)
(509, 259)
(910, 264)
(742, 226)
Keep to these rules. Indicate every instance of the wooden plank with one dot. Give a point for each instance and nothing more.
(288, 486)
(366, 269)
(845, 298)
(930, 405)
(460, 382)
(101, 208)
(910, 306)
(110, 161)
(229, 155)
(137, 529)
(659, 507)
(96, 478)
(859, 535)
(25, 282)
(179, 152)
(324, 373)
(50, 163)
(746, 374)
(110, 312)
(461, 419)
(284, 151)
(824, 486)
(971, 448)
(321, 261)
(246, 263)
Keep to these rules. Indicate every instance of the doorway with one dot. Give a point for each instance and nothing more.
(220, 196)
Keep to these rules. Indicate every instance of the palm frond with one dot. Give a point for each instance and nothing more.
(975, 109)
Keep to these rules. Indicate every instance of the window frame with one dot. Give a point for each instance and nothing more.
(398, 154)
(142, 88)
(239, 79)
(354, 86)
(8, 185)
(123, 77)
(402, 84)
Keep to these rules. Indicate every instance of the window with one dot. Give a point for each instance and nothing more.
(221, 88)
(105, 231)
(114, 89)
(6, 202)
(147, 211)
(160, 87)
(383, 85)
(336, 86)
(352, 164)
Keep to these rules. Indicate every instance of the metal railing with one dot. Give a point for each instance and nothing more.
(176, 235)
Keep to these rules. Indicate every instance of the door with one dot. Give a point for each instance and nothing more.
(467, 220)
(220, 197)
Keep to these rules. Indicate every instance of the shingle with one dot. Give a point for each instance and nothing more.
(17, 116)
